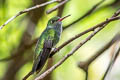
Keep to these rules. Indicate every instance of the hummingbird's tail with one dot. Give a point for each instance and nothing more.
(43, 56)
(29, 74)
(41, 59)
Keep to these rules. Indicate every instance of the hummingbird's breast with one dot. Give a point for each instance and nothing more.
(58, 31)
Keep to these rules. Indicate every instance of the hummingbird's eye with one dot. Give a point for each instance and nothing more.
(53, 21)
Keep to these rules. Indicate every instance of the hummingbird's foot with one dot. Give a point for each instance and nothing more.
(53, 49)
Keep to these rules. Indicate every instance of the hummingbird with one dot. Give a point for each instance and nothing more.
(46, 42)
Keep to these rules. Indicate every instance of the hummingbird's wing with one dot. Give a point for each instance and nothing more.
(43, 49)
(46, 35)
(42, 57)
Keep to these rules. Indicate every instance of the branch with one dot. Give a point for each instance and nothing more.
(113, 59)
(60, 47)
(116, 13)
(70, 40)
(68, 55)
(85, 15)
(84, 65)
(26, 38)
(56, 7)
(72, 51)
(84, 32)
(28, 10)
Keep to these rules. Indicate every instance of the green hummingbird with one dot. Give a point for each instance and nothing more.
(48, 39)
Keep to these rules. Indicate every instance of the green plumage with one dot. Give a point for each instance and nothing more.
(51, 35)
(48, 34)
(47, 40)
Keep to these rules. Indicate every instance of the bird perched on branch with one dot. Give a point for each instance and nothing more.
(48, 39)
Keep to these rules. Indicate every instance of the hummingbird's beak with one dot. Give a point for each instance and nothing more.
(64, 18)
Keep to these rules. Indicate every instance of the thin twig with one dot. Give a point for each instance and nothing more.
(82, 33)
(84, 65)
(56, 7)
(85, 15)
(113, 59)
(72, 51)
(116, 13)
(68, 55)
(15, 55)
(68, 41)
(28, 10)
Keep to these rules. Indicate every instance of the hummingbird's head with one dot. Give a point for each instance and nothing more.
(56, 21)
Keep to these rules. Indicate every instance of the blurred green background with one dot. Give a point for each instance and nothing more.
(17, 34)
